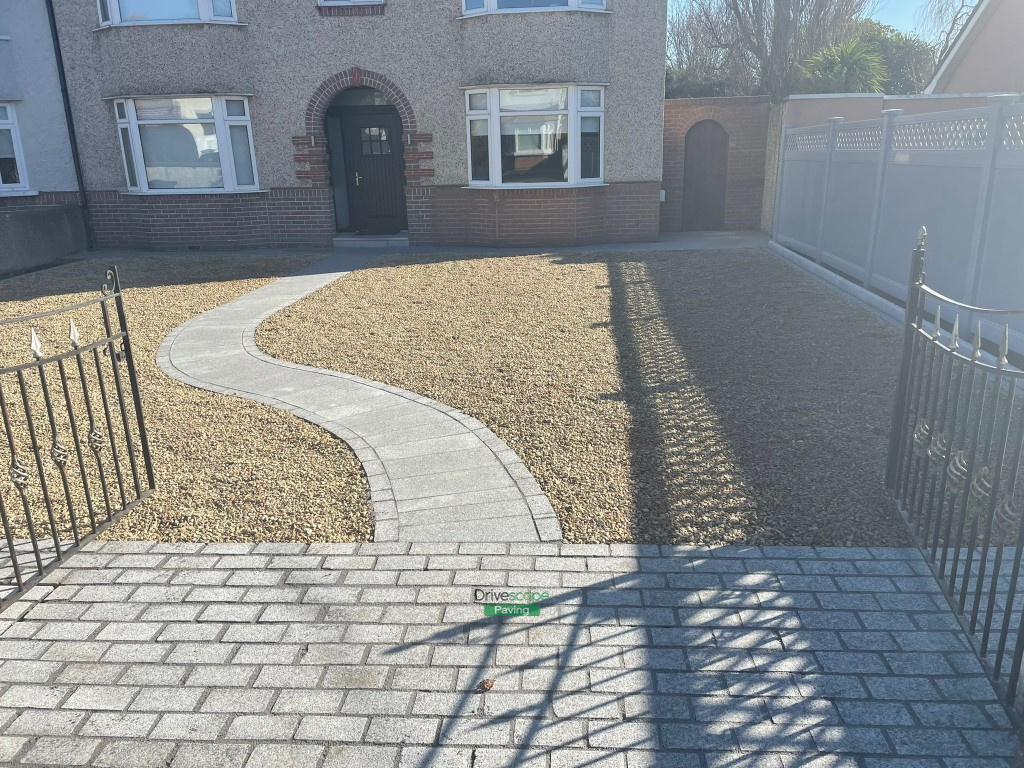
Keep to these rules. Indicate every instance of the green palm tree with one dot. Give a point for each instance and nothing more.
(854, 67)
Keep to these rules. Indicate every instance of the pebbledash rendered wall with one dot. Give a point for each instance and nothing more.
(293, 57)
(745, 120)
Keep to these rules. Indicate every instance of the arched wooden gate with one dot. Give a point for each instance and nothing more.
(705, 170)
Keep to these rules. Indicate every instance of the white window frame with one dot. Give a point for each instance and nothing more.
(11, 124)
(112, 10)
(493, 115)
(223, 123)
(491, 6)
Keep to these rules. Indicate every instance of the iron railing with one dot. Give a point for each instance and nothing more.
(955, 471)
(74, 438)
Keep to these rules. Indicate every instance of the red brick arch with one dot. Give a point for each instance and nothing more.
(311, 147)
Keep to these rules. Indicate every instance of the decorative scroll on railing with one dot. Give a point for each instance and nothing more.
(73, 438)
(955, 468)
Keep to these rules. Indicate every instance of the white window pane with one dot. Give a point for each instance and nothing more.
(104, 12)
(235, 108)
(507, 4)
(479, 149)
(534, 150)
(174, 109)
(590, 148)
(8, 163)
(119, 108)
(158, 10)
(181, 156)
(222, 8)
(533, 99)
(4, 115)
(129, 159)
(478, 102)
(244, 174)
(590, 98)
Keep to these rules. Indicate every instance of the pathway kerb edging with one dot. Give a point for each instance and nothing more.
(382, 493)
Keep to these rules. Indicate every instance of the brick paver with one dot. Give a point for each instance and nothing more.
(346, 656)
(435, 474)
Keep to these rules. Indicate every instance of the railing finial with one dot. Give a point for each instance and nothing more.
(1004, 348)
(35, 345)
(922, 235)
(938, 322)
(954, 343)
(73, 332)
(976, 355)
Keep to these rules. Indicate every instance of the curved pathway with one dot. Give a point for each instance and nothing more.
(435, 474)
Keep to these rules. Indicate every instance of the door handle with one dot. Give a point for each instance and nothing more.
(358, 178)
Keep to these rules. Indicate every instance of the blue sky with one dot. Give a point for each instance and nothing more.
(899, 13)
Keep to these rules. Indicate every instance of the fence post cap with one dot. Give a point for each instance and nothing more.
(837, 119)
(894, 112)
(922, 235)
(1004, 98)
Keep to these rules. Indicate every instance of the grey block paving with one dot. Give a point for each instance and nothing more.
(435, 474)
(360, 662)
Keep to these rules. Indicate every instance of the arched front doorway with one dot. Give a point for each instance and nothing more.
(367, 165)
(705, 170)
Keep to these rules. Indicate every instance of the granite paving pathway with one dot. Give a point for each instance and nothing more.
(435, 474)
(142, 655)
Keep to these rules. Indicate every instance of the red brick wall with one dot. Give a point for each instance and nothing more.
(533, 217)
(280, 217)
(34, 202)
(745, 119)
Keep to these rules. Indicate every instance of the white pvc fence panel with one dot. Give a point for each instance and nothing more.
(852, 196)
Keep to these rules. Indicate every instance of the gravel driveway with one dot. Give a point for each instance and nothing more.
(227, 469)
(701, 396)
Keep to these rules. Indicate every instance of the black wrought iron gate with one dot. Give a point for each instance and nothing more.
(954, 468)
(74, 437)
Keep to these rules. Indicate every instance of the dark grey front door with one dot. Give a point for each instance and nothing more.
(371, 168)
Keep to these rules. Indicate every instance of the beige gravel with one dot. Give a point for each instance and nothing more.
(227, 469)
(714, 397)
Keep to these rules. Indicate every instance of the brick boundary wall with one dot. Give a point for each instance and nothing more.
(745, 120)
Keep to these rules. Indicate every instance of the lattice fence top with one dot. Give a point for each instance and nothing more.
(864, 138)
(960, 133)
(1013, 135)
(816, 141)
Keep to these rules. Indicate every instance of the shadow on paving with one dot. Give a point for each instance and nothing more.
(722, 658)
(348, 656)
(153, 269)
(760, 400)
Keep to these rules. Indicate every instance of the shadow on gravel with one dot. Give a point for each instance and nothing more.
(760, 399)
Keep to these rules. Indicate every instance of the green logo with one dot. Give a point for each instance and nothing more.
(511, 610)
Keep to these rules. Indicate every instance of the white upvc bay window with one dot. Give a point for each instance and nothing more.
(187, 144)
(473, 7)
(117, 12)
(13, 179)
(540, 135)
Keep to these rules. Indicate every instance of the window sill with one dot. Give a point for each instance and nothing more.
(173, 23)
(161, 192)
(583, 185)
(532, 10)
(19, 193)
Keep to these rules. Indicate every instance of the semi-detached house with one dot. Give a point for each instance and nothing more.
(234, 123)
